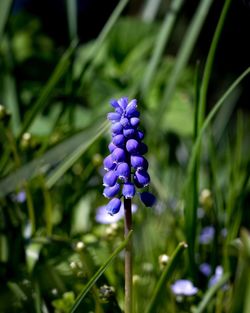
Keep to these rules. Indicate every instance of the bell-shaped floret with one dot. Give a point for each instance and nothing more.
(109, 179)
(143, 148)
(123, 102)
(141, 178)
(118, 140)
(118, 155)
(125, 122)
(114, 103)
(113, 206)
(123, 171)
(140, 135)
(110, 192)
(147, 198)
(131, 110)
(114, 117)
(128, 190)
(132, 146)
(111, 147)
(117, 128)
(129, 132)
(134, 121)
(139, 162)
(108, 163)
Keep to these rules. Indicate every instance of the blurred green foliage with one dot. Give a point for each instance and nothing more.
(54, 137)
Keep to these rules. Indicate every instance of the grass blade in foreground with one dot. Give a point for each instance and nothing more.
(5, 6)
(97, 275)
(166, 274)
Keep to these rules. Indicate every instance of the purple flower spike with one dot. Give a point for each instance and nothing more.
(110, 192)
(109, 179)
(132, 146)
(113, 206)
(125, 161)
(184, 287)
(123, 171)
(128, 190)
(148, 198)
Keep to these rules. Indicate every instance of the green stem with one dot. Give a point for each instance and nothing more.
(128, 257)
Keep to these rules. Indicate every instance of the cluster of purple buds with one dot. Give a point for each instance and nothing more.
(126, 165)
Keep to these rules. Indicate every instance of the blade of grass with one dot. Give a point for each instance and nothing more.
(74, 156)
(166, 274)
(161, 42)
(98, 274)
(210, 293)
(50, 158)
(46, 92)
(5, 6)
(150, 10)
(184, 53)
(72, 18)
(209, 63)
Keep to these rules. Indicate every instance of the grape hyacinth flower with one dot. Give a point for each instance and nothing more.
(126, 171)
(126, 166)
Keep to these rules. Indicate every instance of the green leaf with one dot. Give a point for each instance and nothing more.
(5, 6)
(98, 274)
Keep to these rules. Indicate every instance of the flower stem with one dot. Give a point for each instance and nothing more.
(128, 257)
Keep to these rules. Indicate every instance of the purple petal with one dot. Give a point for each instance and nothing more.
(123, 171)
(140, 135)
(205, 269)
(148, 198)
(118, 155)
(113, 117)
(113, 206)
(128, 190)
(143, 148)
(141, 178)
(111, 147)
(125, 122)
(110, 192)
(207, 235)
(131, 109)
(134, 121)
(108, 163)
(109, 179)
(129, 132)
(123, 102)
(104, 218)
(132, 146)
(117, 128)
(118, 140)
(139, 162)
(114, 103)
